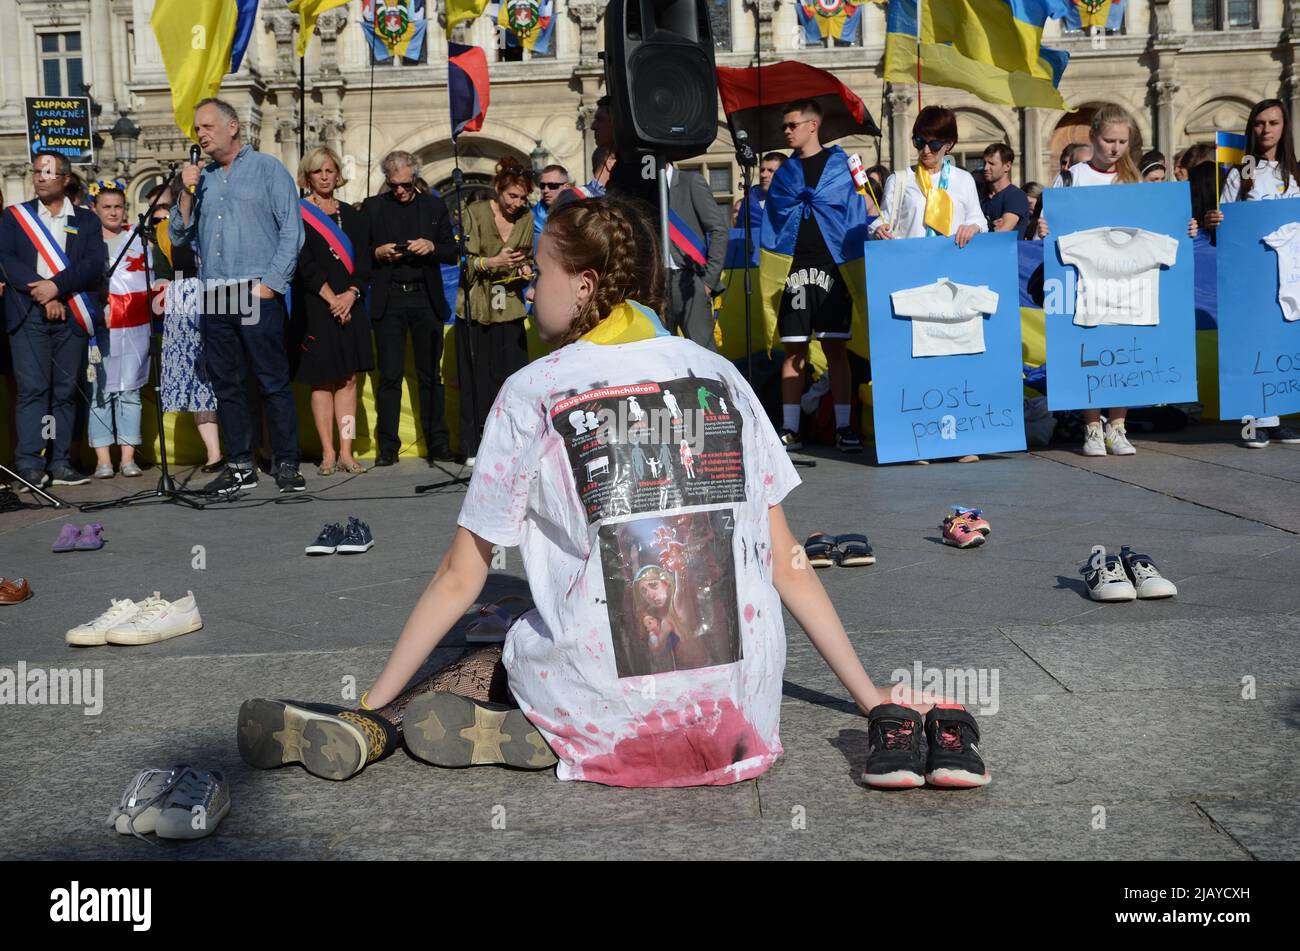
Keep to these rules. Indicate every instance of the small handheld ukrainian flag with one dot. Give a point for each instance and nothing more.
(1229, 148)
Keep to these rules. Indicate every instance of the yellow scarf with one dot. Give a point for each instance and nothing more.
(938, 203)
(627, 322)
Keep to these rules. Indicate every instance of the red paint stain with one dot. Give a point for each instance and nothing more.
(592, 728)
(749, 612)
(690, 747)
(500, 467)
(544, 674)
(768, 479)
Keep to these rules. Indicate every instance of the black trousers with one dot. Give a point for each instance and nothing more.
(409, 312)
(486, 354)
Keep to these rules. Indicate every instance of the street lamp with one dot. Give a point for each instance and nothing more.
(538, 157)
(125, 135)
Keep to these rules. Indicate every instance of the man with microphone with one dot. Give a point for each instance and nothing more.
(242, 211)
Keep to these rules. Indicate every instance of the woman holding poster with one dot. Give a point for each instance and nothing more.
(1269, 171)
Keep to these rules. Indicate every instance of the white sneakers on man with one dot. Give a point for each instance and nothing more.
(157, 620)
(94, 633)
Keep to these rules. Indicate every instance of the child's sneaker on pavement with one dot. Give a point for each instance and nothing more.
(1109, 582)
(953, 759)
(330, 742)
(959, 533)
(1094, 441)
(1146, 579)
(195, 805)
(895, 759)
(95, 633)
(356, 537)
(157, 620)
(137, 812)
(974, 518)
(1117, 441)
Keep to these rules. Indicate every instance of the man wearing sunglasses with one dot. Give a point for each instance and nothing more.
(554, 179)
(412, 238)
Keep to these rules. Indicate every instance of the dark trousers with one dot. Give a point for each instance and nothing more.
(48, 358)
(486, 354)
(690, 307)
(235, 347)
(410, 312)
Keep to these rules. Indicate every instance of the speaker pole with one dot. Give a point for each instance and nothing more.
(662, 165)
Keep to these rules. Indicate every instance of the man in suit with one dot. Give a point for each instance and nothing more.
(412, 238)
(698, 237)
(47, 320)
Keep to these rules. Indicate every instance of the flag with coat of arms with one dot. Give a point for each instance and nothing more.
(394, 28)
(526, 23)
(838, 19)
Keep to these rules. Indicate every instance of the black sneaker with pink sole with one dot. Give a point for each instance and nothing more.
(953, 759)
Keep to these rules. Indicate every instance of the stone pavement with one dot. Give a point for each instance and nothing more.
(1132, 712)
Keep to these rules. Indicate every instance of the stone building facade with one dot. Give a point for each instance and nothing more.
(1183, 68)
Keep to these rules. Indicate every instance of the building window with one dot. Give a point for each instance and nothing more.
(720, 23)
(60, 59)
(1224, 14)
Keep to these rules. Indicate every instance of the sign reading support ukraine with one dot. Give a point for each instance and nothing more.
(1118, 296)
(1259, 309)
(945, 347)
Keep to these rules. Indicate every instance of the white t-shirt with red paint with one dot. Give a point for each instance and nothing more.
(636, 480)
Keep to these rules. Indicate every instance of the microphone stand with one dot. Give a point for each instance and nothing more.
(166, 490)
(747, 160)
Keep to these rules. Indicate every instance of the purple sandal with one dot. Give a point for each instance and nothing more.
(67, 540)
(92, 538)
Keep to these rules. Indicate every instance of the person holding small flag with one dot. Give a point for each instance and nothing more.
(52, 259)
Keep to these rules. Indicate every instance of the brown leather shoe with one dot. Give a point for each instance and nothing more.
(14, 590)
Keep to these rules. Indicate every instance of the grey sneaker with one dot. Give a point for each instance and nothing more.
(104, 471)
(131, 470)
(197, 803)
(137, 812)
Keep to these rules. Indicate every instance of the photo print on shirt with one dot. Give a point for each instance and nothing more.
(653, 447)
(670, 584)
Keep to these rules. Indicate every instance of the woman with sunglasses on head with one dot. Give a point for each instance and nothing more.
(491, 342)
(1271, 171)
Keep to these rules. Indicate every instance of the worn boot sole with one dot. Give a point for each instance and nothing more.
(446, 729)
(272, 734)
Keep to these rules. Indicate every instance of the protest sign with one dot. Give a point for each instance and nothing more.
(60, 125)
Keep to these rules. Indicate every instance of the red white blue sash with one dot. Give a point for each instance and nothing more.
(56, 260)
(685, 240)
(334, 236)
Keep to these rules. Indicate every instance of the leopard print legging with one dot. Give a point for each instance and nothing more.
(479, 675)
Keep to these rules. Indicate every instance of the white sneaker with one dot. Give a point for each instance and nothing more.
(196, 804)
(158, 620)
(1094, 444)
(94, 633)
(1145, 576)
(813, 398)
(1110, 583)
(469, 462)
(1117, 441)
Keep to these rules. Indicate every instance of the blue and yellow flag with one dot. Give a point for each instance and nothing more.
(1089, 14)
(838, 19)
(1229, 148)
(308, 11)
(992, 48)
(459, 10)
(201, 41)
(394, 28)
(526, 23)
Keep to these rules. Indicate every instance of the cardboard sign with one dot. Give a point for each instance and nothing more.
(951, 404)
(60, 125)
(1119, 260)
(1259, 348)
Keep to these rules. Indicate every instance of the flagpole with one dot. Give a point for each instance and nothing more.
(302, 107)
(370, 119)
(920, 7)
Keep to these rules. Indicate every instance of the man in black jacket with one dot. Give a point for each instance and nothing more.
(412, 238)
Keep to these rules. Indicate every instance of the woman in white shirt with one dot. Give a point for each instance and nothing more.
(936, 197)
(1270, 172)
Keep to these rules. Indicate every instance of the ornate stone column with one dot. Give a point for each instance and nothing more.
(1164, 91)
(898, 105)
(283, 25)
(588, 14)
(330, 27)
(1291, 71)
(766, 11)
(1031, 145)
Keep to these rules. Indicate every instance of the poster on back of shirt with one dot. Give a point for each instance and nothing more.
(1259, 309)
(1118, 296)
(945, 347)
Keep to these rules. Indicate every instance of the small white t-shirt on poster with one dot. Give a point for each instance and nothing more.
(1286, 242)
(1119, 274)
(636, 480)
(1082, 174)
(947, 317)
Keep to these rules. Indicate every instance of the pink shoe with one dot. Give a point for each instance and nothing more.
(974, 518)
(959, 533)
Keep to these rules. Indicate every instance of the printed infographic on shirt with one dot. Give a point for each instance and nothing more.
(1117, 296)
(653, 447)
(670, 582)
(945, 345)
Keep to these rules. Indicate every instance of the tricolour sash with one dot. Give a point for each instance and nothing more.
(334, 236)
(57, 261)
(685, 240)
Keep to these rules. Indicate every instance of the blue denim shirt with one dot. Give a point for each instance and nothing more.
(247, 221)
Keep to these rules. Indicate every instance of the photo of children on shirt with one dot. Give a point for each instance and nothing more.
(671, 588)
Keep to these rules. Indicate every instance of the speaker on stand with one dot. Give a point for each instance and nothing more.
(663, 90)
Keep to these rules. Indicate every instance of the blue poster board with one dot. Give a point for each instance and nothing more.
(1116, 365)
(1259, 350)
(938, 407)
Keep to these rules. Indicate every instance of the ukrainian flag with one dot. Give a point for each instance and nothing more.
(201, 41)
(992, 48)
(1229, 148)
(308, 12)
(459, 10)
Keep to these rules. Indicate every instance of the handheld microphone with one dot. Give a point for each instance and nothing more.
(194, 160)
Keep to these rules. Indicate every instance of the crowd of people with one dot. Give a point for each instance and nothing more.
(316, 291)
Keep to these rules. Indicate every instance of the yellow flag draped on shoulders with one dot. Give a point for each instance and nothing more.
(201, 41)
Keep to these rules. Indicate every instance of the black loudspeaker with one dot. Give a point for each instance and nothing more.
(660, 76)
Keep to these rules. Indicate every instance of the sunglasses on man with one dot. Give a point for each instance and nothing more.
(550, 186)
(791, 126)
(936, 145)
(404, 186)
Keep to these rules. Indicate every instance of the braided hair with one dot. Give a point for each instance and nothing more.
(614, 237)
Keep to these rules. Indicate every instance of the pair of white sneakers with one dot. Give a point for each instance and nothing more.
(1113, 439)
(130, 622)
(177, 803)
(1127, 577)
